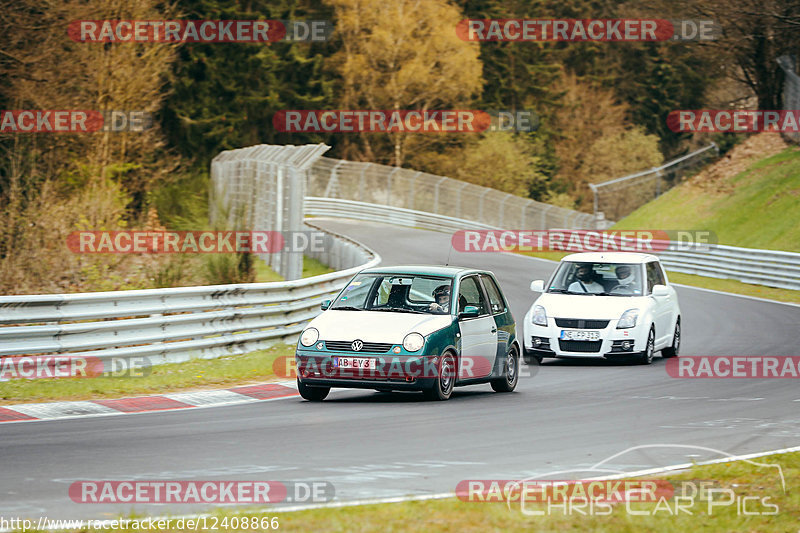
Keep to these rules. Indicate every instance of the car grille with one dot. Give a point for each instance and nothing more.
(369, 347)
(580, 346)
(581, 323)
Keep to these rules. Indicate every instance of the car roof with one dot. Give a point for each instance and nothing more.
(611, 257)
(433, 270)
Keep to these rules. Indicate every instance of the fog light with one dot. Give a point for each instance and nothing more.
(626, 345)
(320, 346)
(537, 341)
(396, 349)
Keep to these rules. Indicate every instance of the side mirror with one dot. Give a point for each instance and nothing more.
(537, 285)
(660, 290)
(325, 304)
(469, 311)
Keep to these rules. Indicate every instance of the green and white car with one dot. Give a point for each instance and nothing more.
(398, 328)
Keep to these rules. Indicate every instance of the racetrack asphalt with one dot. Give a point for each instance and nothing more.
(564, 415)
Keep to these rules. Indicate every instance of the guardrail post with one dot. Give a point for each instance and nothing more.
(593, 187)
(480, 205)
(436, 195)
(503, 209)
(659, 173)
(411, 185)
(459, 199)
(389, 186)
(544, 216)
(362, 181)
(330, 189)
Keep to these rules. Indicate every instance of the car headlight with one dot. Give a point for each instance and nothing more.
(539, 316)
(309, 336)
(628, 319)
(413, 342)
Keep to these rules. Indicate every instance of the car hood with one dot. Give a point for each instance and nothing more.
(597, 307)
(375, 326)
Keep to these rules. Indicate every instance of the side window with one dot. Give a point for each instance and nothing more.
(495, 298)
(470, 294)
(662, 280)
(654, 276)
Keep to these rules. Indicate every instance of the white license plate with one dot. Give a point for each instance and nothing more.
(355, 362)
(579, 335)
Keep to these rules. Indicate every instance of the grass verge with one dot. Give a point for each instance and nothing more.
(311, 267)
(174, 377)
(734, 482)
(756, 208)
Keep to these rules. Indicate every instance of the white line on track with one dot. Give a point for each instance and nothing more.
(439, 496)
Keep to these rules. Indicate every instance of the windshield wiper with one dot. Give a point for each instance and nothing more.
(399, 310)
(346, 308)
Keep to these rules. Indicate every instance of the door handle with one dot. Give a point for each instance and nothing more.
(494, 330)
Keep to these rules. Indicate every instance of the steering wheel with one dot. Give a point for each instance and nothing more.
(622, 288)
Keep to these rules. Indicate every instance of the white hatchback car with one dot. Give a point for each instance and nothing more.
(604, 305)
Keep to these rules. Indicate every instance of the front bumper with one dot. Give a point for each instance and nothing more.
(398, 372)
(544, 341)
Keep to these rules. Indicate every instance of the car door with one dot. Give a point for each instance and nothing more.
(662, 304)
(499, 310)
(478, 334)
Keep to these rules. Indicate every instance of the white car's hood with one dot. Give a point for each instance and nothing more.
(375, 326)
(582, 306)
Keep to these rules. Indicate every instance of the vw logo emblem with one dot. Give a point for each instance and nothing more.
(357, 345)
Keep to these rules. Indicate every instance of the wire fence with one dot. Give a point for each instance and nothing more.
(261, 188)
(617, 198)
(410, 189)
(791, 90)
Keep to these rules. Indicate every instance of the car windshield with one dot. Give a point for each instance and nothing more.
(401, 293)
(597, 279)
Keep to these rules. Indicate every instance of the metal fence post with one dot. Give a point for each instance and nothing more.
(389, 186)
(411, 185)
(436, 195)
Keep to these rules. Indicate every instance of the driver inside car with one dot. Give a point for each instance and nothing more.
(624, 275)
(585, 281)
(441, 303)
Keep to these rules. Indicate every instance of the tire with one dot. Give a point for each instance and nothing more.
(508, 382)
(672, 351)
(445, 380)
(646, 357)
(312, 394)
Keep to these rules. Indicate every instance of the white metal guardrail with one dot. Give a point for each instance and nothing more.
(175, 324)
(771, 268)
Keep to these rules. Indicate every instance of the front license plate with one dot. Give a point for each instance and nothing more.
(579, 335)
(355, 362)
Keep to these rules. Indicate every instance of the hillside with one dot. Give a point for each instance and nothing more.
(750, 198)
